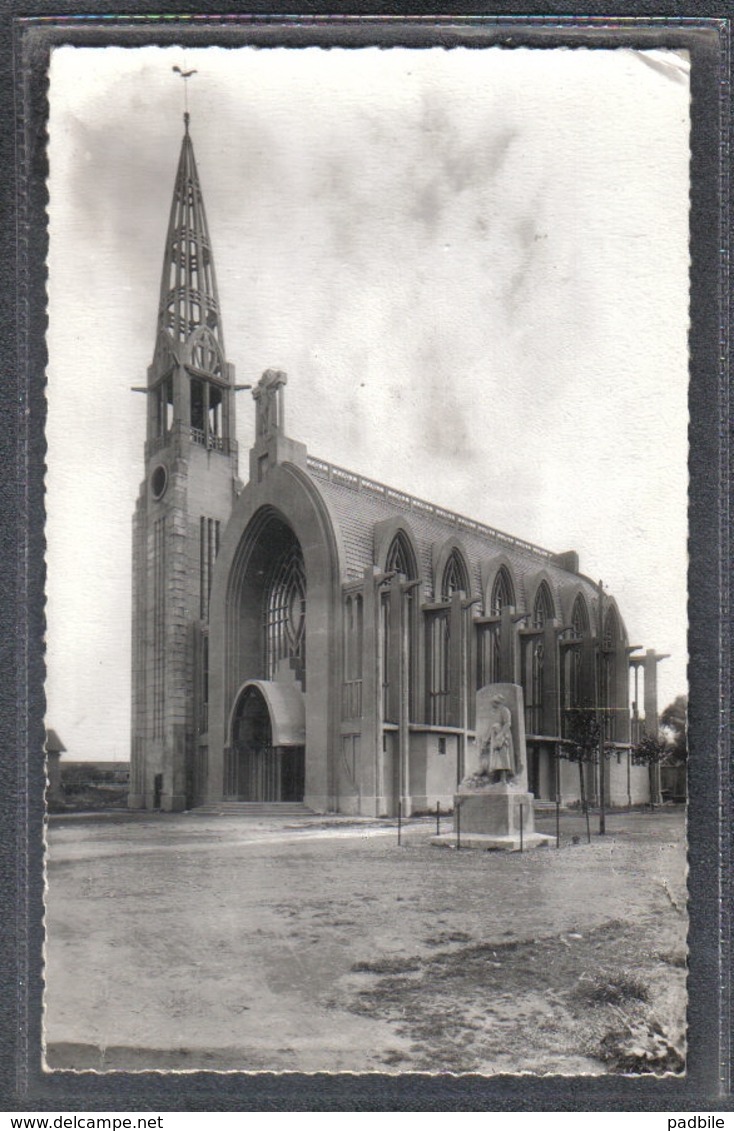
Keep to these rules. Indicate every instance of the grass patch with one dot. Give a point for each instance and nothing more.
(677, 957)
(387, 966)
(643, 1047)
(522, 1003)
(447, 937)
(618, 990)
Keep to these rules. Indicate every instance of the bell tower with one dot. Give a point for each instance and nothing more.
(184, 503)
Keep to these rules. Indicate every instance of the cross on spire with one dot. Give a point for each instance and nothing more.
(185, 75)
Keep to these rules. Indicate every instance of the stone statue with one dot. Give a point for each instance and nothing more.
(495, 805)
(498, 760)
(266, 396)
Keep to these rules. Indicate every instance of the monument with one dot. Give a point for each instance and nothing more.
(492, 807)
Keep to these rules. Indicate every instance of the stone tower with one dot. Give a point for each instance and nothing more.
(184, 503)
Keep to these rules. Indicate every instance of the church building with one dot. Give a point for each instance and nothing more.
(316, 636)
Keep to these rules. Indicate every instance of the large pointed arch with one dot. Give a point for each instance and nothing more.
(285, 507)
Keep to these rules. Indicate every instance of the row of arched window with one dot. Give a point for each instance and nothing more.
(455, 578)
(459, 647)
(489, 643)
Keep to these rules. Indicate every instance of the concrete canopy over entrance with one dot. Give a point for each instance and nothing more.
(267, 745)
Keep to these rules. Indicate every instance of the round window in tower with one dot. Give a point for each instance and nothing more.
(159, 481)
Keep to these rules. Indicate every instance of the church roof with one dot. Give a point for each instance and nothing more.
(359, 503)
(188, 299)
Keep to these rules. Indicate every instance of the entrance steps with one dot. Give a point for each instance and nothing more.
(253, 809)
(545, 806)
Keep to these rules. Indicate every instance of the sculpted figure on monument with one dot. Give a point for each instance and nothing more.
(498, 760)
(266, 398)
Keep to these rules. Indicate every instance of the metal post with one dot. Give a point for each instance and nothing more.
(403, 721)
(522, 810)
(600, 708)
(602, 784)
(457, 823)
(404, 589)
(400, 821)
(558, 800)
(438, 818)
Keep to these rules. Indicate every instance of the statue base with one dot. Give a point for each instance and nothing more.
(498, 816)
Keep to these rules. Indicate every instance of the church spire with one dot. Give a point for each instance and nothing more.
(188, 313)
(190, 381)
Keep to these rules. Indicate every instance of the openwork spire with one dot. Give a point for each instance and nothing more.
(188, 314)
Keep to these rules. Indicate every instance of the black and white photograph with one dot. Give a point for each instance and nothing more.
(366, 552)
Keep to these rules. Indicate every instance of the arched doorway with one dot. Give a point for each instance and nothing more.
(269, 759)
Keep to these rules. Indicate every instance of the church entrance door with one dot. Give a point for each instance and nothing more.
(264, 772)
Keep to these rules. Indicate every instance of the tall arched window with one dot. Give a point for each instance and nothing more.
(358, 632)
(455, 578)
(503, 593)
(353, 637)
(489, 635)
(401, 559)
(348, 637)
(533, 660)
(385, 648)
(438, 643)
(572, 657)
(543, 608)
(580, 618)
(612, 631)
(285, 613)
(611, 638)
(353, 633)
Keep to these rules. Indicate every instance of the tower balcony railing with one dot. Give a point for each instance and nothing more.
(211, 442)
(197, 436)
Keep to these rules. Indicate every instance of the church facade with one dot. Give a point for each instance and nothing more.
(315, 636)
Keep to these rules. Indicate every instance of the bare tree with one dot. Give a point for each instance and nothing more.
(581, 745)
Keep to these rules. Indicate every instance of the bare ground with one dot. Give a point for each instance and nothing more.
(187, 942)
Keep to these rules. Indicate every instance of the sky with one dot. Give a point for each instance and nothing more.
(472, 263)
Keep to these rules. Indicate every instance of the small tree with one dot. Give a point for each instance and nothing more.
(650, 751)
(673, 722)
(581, 745)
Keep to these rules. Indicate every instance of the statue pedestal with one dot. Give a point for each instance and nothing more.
(494, 817)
